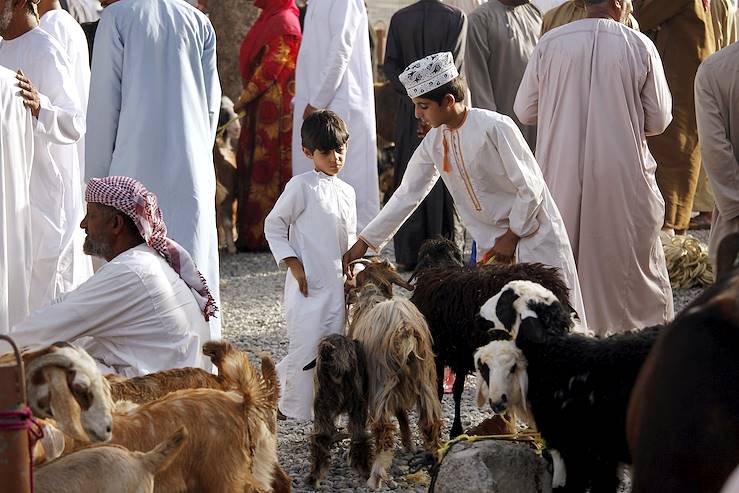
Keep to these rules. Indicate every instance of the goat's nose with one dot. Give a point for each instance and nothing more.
(109, 429)
(504, 398)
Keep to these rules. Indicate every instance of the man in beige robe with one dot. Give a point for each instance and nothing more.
(596, 89)
(572, 10)
(717, 111)
(683, 34)
(724, 30)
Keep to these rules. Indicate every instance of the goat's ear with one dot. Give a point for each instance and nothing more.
(531, 329)
(498, 335)
(505, 311)
(310, 365)
(480, 400)
(553, 316)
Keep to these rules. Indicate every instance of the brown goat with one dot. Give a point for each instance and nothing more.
(224, 162)
(232, 445)
(155, 385)
(683, 418)
(108, 468)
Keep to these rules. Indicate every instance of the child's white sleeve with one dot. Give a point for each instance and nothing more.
(277, 224)
(419, 178)
(524, 173)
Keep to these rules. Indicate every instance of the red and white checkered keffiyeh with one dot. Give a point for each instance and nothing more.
(133, 199)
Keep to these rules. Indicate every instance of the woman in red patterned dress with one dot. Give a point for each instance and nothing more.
(267, 61)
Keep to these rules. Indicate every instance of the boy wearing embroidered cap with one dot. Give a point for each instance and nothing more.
(496, 183)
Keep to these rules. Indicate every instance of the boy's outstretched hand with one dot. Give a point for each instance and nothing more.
(356, 251)
(298, 272)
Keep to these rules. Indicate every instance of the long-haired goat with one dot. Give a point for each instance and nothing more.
(399, 353)
(450, 297)
(86, 388)
(155, 385)
(108, 468)
(341, 387)
(683, 419)
(574, 382)
(232, 445)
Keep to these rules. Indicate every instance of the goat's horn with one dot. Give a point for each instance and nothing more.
(48, 359)
(310, 365)
(362, 261)
(402, 283)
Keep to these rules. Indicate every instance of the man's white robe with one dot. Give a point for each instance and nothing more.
(57, 201)
(334, 72)
(67, 31)
(315, 221)
(466, 6)
(134, 316)
(496, 185)
(16, 158)
(154, 103)
(597, 89)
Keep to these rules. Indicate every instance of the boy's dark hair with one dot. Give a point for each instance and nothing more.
(325, 131)
(456, 87)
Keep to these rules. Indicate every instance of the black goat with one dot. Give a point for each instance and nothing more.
(578, 386)
(450, 297)
(341, 387)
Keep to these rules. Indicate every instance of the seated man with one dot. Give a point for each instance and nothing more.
(146, 309)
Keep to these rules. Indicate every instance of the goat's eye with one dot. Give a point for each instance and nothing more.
(513, 369)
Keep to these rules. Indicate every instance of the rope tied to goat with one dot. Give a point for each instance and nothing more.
(528, 436)
(22, 419)
(687, 261)
(222, 128)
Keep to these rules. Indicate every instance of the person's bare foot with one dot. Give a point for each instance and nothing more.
(701, 221)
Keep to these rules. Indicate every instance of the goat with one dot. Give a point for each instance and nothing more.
(224, 162)
(232, 444)
(341, 387)
(683, 417)
(450, 297)
(574, 382)
(86, 388)
(399, 353)
(155, 385)
(502, 380)
(108, 469)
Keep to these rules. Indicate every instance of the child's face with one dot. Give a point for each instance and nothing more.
(433, 113)
(329, 162)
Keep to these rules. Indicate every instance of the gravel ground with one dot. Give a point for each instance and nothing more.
(251, 292)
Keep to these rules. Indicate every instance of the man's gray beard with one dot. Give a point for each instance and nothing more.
(97, 248)
(6, 16)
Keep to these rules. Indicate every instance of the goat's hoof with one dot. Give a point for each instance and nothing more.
(374, 482)
(231, 249)
(313, 482)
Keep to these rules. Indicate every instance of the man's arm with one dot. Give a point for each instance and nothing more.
(418, 180)
(717, 152)
(524, 174)
(479, 53)
(212, 83)
(657, 12)
(526, 105)
(394, 64)
(344, 22)
(103, 303)
(656, 97)
(104, 108)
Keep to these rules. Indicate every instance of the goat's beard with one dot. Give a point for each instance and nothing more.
(6, 16)
(99, 248)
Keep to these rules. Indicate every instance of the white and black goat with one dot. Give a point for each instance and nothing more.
(341, 387)
(450, 296)
(578, 386)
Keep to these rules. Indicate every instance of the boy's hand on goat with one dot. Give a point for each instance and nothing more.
(503, 250)
(358, 249)
(298, 272)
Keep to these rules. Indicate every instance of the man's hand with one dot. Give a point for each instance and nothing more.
(296, 269)
(309, 110)
(29, 94)
(356, 251)
(503, 250)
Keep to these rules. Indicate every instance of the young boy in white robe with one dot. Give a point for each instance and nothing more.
(310, 227)
(497, 185)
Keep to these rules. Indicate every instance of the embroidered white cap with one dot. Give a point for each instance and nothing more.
(427, 74)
